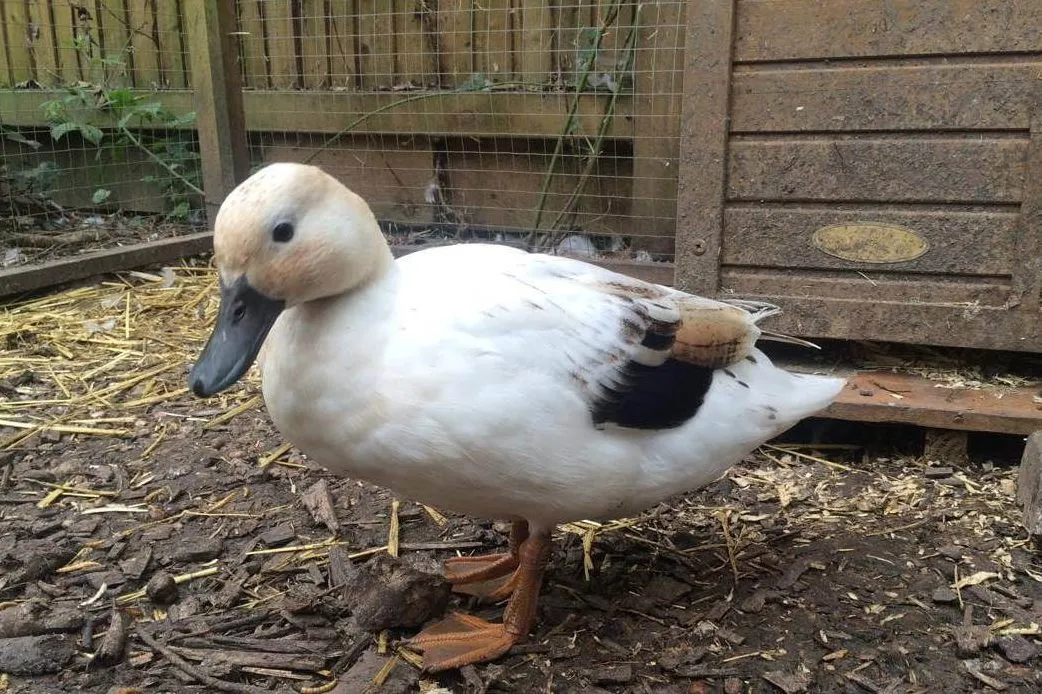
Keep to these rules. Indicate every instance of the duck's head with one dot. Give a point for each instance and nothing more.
(288, 234)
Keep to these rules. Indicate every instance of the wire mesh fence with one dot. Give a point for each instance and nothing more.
(551, 124)
(94, 153)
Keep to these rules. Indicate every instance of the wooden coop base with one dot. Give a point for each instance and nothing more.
(882, 396)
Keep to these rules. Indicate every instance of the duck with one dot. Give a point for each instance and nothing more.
(485, 380)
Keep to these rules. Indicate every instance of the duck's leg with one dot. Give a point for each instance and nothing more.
(491, 575)
(462, 639)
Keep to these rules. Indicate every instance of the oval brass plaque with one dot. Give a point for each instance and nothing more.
(870, 242)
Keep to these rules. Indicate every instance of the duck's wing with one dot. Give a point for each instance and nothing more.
(641, 355)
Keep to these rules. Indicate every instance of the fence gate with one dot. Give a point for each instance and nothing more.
(875, 167)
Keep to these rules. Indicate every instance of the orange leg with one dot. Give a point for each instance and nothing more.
(491, 576)
(462, 639)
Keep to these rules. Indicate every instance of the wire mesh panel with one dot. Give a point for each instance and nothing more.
(96, 126)
(549, 124)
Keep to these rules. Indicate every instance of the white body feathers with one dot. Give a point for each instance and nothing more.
(463, 377)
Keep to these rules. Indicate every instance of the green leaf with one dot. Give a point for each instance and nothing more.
(186, 119)
(60, 130)
(180, 210)
(100, 196)
(151, 110)
(91, 133)
(120, 98)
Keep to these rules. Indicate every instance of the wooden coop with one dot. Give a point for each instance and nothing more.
(880, 177)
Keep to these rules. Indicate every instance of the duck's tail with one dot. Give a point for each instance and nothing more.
(792, 396)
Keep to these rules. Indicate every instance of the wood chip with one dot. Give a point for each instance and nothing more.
(319, 502)
(114, 644)
(973, 667)
(790, 683)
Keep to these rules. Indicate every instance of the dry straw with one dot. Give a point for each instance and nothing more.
(91, 361)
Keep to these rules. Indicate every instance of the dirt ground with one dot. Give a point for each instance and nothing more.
(194, 551)
(37, 238)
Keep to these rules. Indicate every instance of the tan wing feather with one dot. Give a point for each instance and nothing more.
(714, 336)
(709, 332)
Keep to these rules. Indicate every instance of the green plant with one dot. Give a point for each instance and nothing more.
(85, 108)
(25, 188)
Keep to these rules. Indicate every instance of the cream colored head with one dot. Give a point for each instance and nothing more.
(297, 234)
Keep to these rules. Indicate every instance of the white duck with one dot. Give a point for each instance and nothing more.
(484, 379)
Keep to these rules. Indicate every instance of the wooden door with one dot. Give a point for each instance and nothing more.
(874, 167)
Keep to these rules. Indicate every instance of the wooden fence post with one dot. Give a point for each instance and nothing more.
(704, 126)
(218, 98)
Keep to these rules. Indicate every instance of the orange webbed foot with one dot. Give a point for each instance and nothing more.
(460, 571)
(461, 639)
(492, 576)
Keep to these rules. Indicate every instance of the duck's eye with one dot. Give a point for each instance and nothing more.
(282, 232)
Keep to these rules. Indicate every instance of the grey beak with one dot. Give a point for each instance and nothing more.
(243, 321)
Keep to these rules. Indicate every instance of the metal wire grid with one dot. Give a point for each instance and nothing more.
(475, 119)
(552, 124)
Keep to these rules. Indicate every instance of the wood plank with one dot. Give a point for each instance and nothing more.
(536, 41)
(28, 38)
(870, 397)
(88, 41)
(340, 28)
(169, 29)
(281, 43)
(654, 15)
(446, 113)
(891, 287)
(72, 62)
(874, 97)
(218, 96)
(1027, 277)
(143, 39)
(377, 44)
(521, 114)
(317, 60)
(7, 73)
(457, 40)
(113, 35)
(570, 19)
(969, 325)
(703, 155)
(390, 173)
(658, 88)
(504, 191)
(23, 50)
(810, 29)
(494, 38)
(48, 57)
(251, 44)
(966, 243)
(56, 272)
(417, 65)
(972, 169)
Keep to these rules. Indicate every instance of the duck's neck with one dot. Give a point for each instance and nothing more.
(366, 301)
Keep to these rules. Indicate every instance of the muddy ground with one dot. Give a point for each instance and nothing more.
(790, 574)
